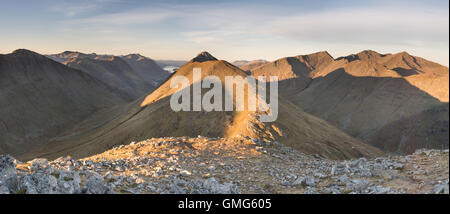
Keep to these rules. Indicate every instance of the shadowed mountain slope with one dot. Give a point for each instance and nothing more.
(145, 67)
(40, 98)
(112, 70)
(249, 65)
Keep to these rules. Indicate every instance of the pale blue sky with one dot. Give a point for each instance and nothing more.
(230, 30)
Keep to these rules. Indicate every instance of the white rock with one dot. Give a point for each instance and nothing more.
(185, 173)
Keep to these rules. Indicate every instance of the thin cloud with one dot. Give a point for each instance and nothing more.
(221, 25)
(409, 27)
(71, 9)
(126, 18)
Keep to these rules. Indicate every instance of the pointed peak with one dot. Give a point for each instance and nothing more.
(321, 53)
(203, 57)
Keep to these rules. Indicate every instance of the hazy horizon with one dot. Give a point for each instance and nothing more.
(178, 30)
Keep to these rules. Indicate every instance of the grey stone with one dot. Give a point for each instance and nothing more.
(175, 189)
(212, 186)
(358, 162)
(397, 166)
(311, 190)
(4, 190)
(299, 181)
(440, 188)
(211, 168)
(334, 170)
(69, 182)
(108, 175)
(331, 190)
(285, 183)
(366, 173)
(185, 173)
(38, 183)
(310, 181)
(344, 179)
(40, 165)
(8, 173)
(358, 185)
(96, 185)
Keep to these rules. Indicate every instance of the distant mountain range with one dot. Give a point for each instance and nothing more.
(249, 65)
(396, 102)
(153, 117)
(164, 63)
(133, 74)
(359, 105)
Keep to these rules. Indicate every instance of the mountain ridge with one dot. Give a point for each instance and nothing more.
(135, 75)
(153, 117)
(340, 92)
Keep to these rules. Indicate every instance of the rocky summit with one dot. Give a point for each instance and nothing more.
(204, 165)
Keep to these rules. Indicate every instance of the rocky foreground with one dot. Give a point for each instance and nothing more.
(224, 165)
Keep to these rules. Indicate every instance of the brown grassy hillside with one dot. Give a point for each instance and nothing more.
(153, 117)
(371, 95)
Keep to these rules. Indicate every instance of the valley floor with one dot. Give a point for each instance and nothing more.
(224, 165)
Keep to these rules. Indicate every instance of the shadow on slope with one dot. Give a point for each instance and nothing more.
(428, 129)
(40, 98)
(364, 106)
